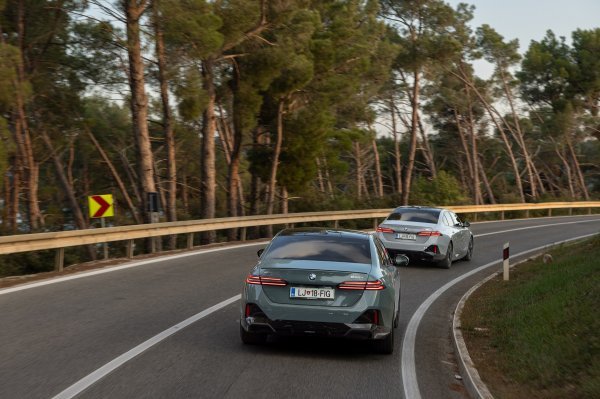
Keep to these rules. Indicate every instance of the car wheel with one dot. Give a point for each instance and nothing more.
(385, 346)
(447, 262)
(469, 254)
(249, 338)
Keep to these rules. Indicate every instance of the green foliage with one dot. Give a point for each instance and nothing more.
(191, 27)
(443, 190)
(543, 324)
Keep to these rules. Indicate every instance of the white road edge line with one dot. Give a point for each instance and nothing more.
(408, 364)
(109, 269)
(535, 227)
(109, 367)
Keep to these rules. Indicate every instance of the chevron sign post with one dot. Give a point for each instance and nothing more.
(101, 206)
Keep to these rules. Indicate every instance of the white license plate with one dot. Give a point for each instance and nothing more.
(312, 293)
(405, 236)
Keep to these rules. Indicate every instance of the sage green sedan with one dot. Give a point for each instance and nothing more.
(322, 282)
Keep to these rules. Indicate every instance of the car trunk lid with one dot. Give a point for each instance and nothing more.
(305, 274)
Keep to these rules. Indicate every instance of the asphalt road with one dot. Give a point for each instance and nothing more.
(55, 335)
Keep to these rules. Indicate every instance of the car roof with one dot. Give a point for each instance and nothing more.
(433, 208)
(325, 231)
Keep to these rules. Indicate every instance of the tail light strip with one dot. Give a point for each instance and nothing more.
(429, 233)
(362, 285)
(261, 280)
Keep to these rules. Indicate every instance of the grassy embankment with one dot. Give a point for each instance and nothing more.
(538, 336)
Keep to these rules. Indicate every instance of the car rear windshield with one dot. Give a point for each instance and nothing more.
(321, 248)
(416, 215)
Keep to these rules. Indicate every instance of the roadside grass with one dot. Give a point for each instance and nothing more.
(538, 335)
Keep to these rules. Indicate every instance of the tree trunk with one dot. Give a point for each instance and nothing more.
(171, 200)
(275, 163)
(397, 165)
(115, 174)
(378, 177)
(474, 151)
(505, 140)
(520, 139)
(234, 181)
(413, 139)
(427, 151)
(578, 173)
(131, 176)
(358, 162)
(24, 142)
(209, 179)
(139, 103)
(80, 220)
(568, 172)
(486, 182)
(467, 152)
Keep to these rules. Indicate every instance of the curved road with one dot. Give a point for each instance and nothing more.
(60, 338)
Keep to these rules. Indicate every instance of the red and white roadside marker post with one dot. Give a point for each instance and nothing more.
(505, 260)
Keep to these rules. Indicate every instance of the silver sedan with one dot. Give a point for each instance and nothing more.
(429, 234)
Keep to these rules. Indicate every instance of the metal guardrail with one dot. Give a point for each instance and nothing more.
(63, 239)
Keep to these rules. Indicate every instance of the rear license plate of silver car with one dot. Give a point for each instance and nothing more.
(406, 236)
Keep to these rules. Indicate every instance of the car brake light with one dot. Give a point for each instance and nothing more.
(259, 280)
(362, 285)
(429, 233)
(384, 230)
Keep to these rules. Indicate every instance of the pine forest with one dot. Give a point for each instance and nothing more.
(252, 107)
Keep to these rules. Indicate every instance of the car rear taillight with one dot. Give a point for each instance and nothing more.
(384, 230)
(429, 233)
(371, 316)
(261, 280)
(362, 285)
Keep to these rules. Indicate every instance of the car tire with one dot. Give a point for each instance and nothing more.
(385, 346)
(249, 338)
(447, 262)
(469, 254)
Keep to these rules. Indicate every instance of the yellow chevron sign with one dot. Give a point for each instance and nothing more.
(101, 206)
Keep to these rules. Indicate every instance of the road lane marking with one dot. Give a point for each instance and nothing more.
(535, 227)
(126, 266)
(111, 366)
(407, 362)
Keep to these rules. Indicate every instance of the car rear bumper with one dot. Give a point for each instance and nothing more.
(309, 328)
(418, 255)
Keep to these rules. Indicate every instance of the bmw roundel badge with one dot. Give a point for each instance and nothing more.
(312, 276)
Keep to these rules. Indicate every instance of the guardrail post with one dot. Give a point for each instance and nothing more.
(527, 214)
(59, 260)
(570, 211)
(549, 212)
(190, 240)
(375, 224)
(336, 224)
(130, 248)
(589, 211)
(501, 215)
(243, 234)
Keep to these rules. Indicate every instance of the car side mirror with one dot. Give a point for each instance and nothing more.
(466, 224)
(260, 252)
(401, 260)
